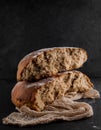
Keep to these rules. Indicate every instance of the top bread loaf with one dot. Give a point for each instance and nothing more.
(50, 61)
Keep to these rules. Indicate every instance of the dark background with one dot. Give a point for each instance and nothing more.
(28, 25)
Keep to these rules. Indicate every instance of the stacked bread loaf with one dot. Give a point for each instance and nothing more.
(49, 74)
(47, 85)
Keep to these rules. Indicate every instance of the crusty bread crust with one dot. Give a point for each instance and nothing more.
(38, 94)
(50, 61)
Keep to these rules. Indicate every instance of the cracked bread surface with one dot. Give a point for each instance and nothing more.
(50, 61)
(39, 94)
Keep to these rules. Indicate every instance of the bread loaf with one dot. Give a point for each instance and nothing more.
(48, 62)
(38, 94)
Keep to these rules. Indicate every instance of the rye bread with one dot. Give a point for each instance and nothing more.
(50, 61)
(38, 94)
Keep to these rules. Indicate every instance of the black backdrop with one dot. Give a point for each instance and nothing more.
(28, 25)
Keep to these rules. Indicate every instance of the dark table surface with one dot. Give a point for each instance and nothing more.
(93, 123)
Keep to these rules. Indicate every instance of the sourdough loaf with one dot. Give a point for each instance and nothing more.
(48, 62)
(38, 94)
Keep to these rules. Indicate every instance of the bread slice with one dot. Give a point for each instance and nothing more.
(38, 94)
(48, 62)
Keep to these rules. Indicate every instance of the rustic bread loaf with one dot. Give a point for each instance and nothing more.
(38, 94)
(48, 62)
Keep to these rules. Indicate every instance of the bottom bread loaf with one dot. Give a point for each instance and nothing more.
(39, 94)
